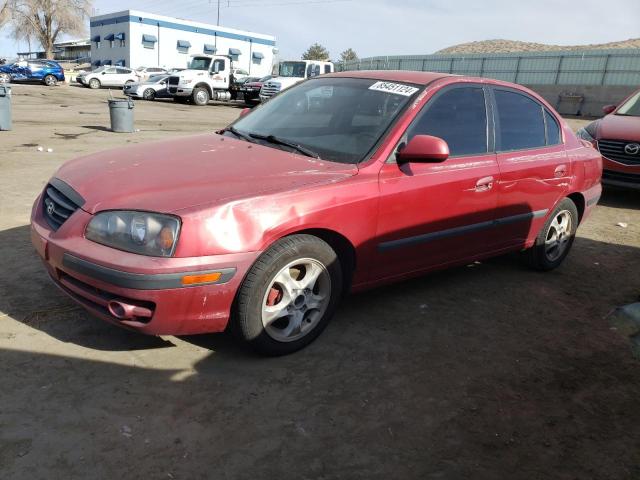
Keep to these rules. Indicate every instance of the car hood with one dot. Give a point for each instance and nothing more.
(200, 170)
(619, 127)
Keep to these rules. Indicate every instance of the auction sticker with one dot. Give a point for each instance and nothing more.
(397, 88)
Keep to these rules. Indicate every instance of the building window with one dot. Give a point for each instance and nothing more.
(110, 38)
(149, 41)
(120, 37)
(257, 57)
(234, 53)
(183, 46)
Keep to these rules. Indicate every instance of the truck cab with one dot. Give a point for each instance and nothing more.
(292, 72)
(207, 77)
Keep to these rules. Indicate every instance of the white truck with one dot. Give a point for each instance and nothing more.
(207, 77)
(292, 72)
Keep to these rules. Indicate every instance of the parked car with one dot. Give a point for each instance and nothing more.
(145, 72)
(239, 74)
(617, 137)
(251, 89)
(107, 76)
(41, 71)
(344, 182)
(154, 87)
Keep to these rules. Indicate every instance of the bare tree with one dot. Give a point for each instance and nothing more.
(4, 12)
(46, 20)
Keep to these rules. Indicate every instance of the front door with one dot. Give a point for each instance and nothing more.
(432, 214)
(220, 71)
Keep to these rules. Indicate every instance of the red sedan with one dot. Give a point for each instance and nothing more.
(617, 136)
(343, 182)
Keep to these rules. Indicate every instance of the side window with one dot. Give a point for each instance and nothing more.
(110, 71)
(327, 69)
(218, 65)
(458, 116)
(309, 71)
(553, 129)
(123, 71)
(520, 121)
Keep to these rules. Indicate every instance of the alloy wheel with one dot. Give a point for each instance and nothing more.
(296, 300)
(558, 235)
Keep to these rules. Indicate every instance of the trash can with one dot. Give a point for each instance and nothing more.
(121, 113)
(5, 107)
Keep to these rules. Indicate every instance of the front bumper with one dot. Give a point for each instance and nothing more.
(620, 175)
(95, 276)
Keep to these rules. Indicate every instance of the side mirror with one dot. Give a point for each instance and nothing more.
(424, 148)
(102, 73)
(607, 109)
(244, 111)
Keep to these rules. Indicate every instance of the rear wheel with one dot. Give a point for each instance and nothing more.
(288, 296)
(5, 78)
(149, 94)
(50, 81)
(555, 239)
(200, 96)
(94, 83)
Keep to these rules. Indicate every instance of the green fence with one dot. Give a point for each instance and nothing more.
(586, 67)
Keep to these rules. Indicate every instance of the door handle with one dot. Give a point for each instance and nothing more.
(560, 170)
(484, 184)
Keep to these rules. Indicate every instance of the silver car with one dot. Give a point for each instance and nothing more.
(107, 76)
(154, 87)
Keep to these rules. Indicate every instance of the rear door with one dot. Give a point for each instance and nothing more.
(432, 214)
(534, 169)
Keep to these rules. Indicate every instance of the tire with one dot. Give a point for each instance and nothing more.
(555, 239)
(288, 296)
(5, 78)
(149, 94)
(200, 96)
(94, 83)
(50, 81)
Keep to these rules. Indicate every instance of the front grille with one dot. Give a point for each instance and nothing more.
(174, 80)
(269, 89)
(621, 176)
(614, 150)
(57, 207)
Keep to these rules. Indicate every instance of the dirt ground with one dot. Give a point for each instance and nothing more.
(489, 371)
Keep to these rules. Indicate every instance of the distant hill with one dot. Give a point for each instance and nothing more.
(505, 46)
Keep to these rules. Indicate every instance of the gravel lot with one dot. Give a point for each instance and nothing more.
(487, 371)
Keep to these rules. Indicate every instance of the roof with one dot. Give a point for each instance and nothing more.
(418, 78)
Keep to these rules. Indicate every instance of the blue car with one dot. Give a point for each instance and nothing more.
(42, 71)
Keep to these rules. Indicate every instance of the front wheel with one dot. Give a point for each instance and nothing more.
(288, 296)
(200, 96)
(555, 239)
(94, 83)
(5, 78)
(50, 81)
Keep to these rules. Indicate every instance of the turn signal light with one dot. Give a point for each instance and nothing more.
(197, 279)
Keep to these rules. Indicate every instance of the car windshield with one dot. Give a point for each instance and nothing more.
(340, 119)
(99, 69)
(200, 63)
(631, 107)
(292, 69)
(156, 78)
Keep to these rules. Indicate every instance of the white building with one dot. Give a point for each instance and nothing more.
(137, 39)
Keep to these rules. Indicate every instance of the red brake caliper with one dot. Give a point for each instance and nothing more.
(274, 297)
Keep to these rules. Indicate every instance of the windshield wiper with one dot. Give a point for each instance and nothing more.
(237, 133)
(279, 141)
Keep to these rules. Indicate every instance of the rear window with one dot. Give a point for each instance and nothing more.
(520, 121)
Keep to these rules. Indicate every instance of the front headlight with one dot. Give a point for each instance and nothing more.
(145, 233)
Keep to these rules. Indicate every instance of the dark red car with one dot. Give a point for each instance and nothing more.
(617, 136)
(341, 183)
(251, 90)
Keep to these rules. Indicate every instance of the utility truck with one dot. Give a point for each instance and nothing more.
(292, 72)
(207, 77)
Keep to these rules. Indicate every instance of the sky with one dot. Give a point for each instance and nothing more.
(387, 27)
